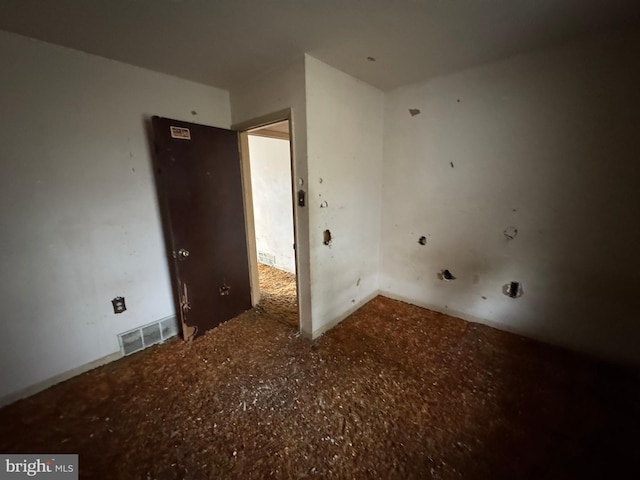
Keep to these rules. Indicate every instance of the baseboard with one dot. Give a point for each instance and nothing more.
(50, 382)
(328, 326)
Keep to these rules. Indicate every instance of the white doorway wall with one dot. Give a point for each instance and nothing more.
(270, 165)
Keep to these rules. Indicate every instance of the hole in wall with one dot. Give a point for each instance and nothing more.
(446, 275)
(326, 237)
(324, 204)
(320, 180)
(422, 240)
(414, 111)
(513, 289)
(193, 112)
(371, 59)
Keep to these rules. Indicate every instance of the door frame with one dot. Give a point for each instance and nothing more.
(243, 129)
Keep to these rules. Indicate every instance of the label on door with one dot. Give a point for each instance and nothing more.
(180, 132)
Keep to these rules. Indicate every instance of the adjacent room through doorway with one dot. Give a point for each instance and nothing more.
(271, 186)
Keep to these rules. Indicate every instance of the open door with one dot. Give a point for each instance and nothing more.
(200, 190)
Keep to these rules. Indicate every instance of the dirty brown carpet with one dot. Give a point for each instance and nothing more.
(393, 392)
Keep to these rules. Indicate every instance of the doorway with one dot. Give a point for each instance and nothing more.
(269, 162)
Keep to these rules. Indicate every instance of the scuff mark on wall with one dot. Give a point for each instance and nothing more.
(511, 233)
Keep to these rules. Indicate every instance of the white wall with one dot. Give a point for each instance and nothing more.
(344, 146)
(276, 91)
(272, 199)
(79, 218)
(547, 143)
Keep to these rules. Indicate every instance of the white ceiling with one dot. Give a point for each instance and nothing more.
(226, 42)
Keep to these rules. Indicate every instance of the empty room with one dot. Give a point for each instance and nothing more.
(319, 239)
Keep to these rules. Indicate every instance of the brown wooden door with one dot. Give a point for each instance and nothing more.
(200, 190)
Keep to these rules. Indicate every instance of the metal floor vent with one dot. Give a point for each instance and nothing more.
(266, 258)
(147, 335)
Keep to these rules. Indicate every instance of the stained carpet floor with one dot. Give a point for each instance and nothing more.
(393, 392)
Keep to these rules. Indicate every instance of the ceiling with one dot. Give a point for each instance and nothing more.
(227, 42)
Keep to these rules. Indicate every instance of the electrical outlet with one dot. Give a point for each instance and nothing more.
(118, 305)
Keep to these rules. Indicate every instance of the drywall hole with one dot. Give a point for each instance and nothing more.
(300, 181)
(193, 112)
(510, 233)
(446, 275)
(451, 164)
(371, 59)
(458, 100)
(225, 290)
(484, 298)
(326, 237)
(513, 289)
(324, 204)
(422, 240)
(414, 111)
(320, 180)
(118, 305)
(353, 300)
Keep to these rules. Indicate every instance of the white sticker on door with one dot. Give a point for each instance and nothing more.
(180, 132)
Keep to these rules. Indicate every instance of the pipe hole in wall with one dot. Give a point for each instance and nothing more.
(513, 289)
(446, 275)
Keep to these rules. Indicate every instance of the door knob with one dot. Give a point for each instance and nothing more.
(183, 253)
